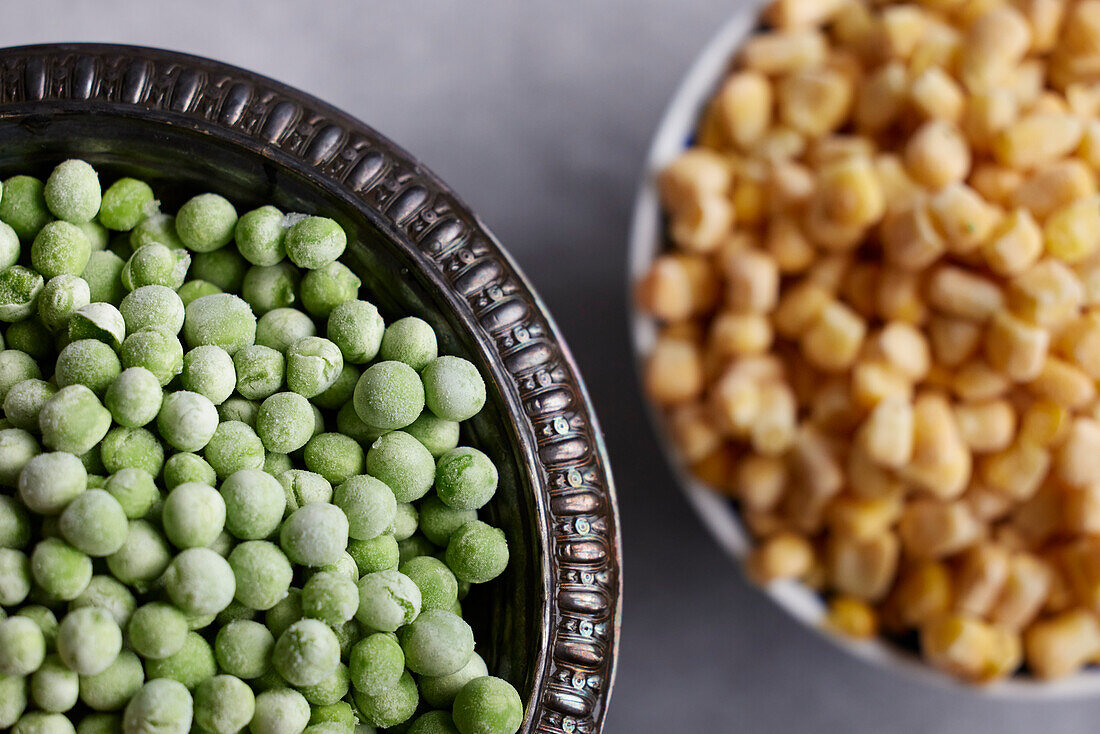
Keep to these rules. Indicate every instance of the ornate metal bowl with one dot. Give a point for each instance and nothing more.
(550, 624)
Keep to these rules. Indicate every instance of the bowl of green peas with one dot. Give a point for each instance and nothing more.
(288, 444)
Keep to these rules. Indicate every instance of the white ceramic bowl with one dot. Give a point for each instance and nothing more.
(674, 132)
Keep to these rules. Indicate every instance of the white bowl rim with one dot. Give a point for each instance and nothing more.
(675, 129)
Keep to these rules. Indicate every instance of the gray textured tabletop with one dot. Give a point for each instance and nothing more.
(539, 113)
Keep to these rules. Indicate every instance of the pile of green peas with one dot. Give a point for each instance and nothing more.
(231, 496)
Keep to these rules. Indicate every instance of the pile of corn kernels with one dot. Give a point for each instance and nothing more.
(880, 319)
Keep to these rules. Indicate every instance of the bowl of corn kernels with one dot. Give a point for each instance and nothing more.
(866, 269)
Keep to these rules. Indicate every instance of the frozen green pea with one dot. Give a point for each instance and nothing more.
(23, 206)
(410, 340)
(187, 420)
(344, 565)
(134, 489)
(440, 691)
(414, 547)
(284, 422)
(334, 718)
(314, 242)
(193, 290)
(477, 552)
(193, 515)
(9, 246)
(356, 328)
(403, 464)
(262, 573)
(188, 467)
(433, 722)
(206, 222)
(268, 287)
(103, 273)
(73, 420)
(125, 203)
(260, 371)
(285, 613)
(223, 545)
(152, 307)
(239, 409)
(159, 352)
(15, 577)
(31, 338)
(235, 611)
(276, 463)
(60, 247)
(156, 264)
(330, 597)
(19, 289)
(16, 366)
(350, 424)
(224, 268)
(387, 600)
(193, 663)
(54, 687)
(368, 504)
(340, 392)
(24, 401)
(60, 297)
(222, 319)
(389, 395)
(280, 711)
(406, 520)
(306, 653)
(254, 502)
(135, 397)
(72, 191)
(334, 456)
(224, 704)
(51, 481)
(312, 365)
(42, 722)
(161, 706)
(156, 228)
(329, 691)
(376, 554)
(112, 688)
(243, 648)
(465, 478)
(391, 706)
(87, 362)
(259, 236)
(94, 523)
(438, 521)
(281, 328)
(314, 535)
(199, 581)
(88, 640)
(97, 234)
(15, 529)
(100, 723)
(438, 585)
(209, 371)
(142, 558)
(302, 487)
(438, 436)
(324, 289)
(132, 447)
(100, 321)
(453, 388)
(437, 642)
(376, 663)
(488, 705)
(22, 646)
(157, 630)
(233, 447)
(13, 698)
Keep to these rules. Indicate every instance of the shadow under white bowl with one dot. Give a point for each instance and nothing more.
(674, 133)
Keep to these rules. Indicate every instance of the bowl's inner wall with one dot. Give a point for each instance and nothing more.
(507, 615)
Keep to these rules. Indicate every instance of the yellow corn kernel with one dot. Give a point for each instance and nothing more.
(860, 517)
(764, 524)
(752, 281)
(1038, 517)
(783, 52)
(677, 287)
(868, 480)
(773, 430)
(828, 271)
(815, 467)
(936, 95)
(849, 194)
(1045, 423)
(900, 298)
(1079, 563)
(910, 239)
(986, 504)
(674, 372)
(853, 26)
(735, 397)
(695, 174)
(1027, 83)
(785, 555)
(988, 113)
(852, 617)
(959, 292)
(828, 235)
(1072, 233)
(857, 289)
(802, 13)
(960, 645)
(1025, 589)
(743, 107)
(738, 334)
(1059, 596)
(981, 576)
(788, 247)
(996, 183)
(831, 406)
(1081, 510)
(748, 202)
(1062, 645)
(898, 188)
(838, 148)
(780, 142)
(1006, 656)
(832, 343)
(938, 47)
(716, 469)
(693, 431)
(1080, 342)
(701, 225)
(1081, 34)
(965, 219)
(986, 426)
(1017, 471)
(761, 481)
(799, 307)
(1045, 19)
(874, 381)
(1015, 347)
(901, 27)
(953, 340)
(1037, 139)
(1063, 383)
(995, 43)
(790, 185)
(1014, 245)
(937, 154)
(923, 593)
(862, 567)
(1054, 187)
(1078, 459)
(941, 463)
(977, 381)
(886, 437)
(1089, 149)
(934, 529)
(904, 348)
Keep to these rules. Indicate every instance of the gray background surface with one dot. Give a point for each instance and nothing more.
(539, 112)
